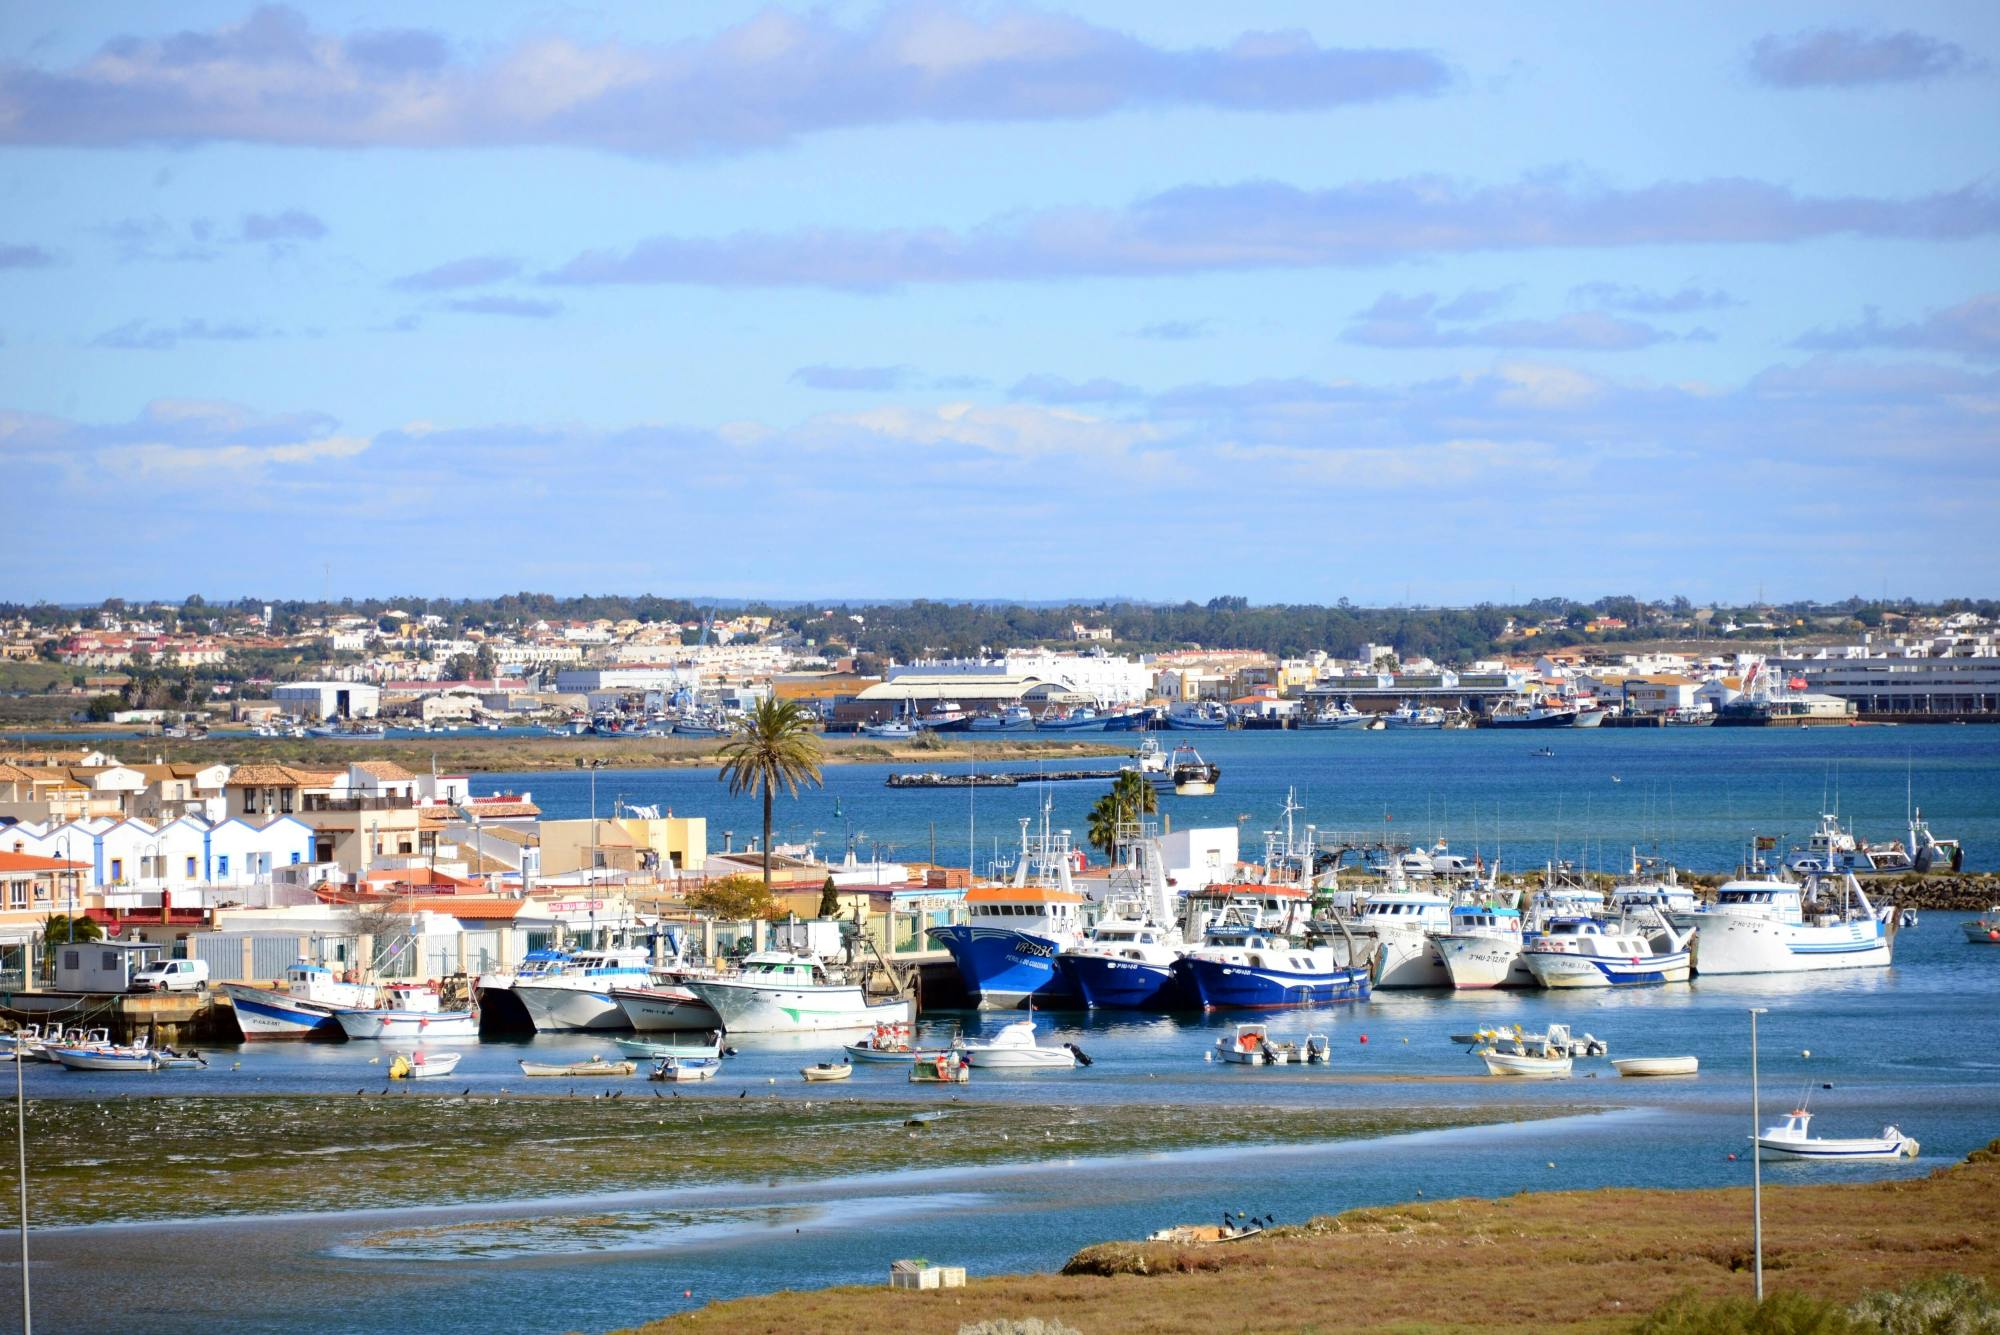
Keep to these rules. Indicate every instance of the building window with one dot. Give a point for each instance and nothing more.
(222, 865)
(117, 869)
(190, 868)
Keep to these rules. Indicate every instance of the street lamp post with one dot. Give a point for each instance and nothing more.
(1756, 1161)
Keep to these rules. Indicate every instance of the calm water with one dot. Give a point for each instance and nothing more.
(1901, 1045)
(1698, 794)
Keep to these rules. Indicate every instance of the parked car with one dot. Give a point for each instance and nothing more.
(171, 976)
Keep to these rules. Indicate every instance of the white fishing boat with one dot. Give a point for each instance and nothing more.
(1522, 1057)
(1790, 1139)
(1482, 949)
(578, 994)
(1637, 1066)
(1767, 926)
(409, 1011)
(1395, 927)
(682, 1070)
(782, 993)
(1014, 1049)
(421, 1065)
(1583, 952)
(824, 1071)
(304, 1008)
(595, 1066)
(665, 1008)
(1193, 776)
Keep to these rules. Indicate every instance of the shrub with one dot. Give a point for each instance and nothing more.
(1940, 1305)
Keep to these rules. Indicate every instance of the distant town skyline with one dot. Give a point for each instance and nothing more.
(977, 301)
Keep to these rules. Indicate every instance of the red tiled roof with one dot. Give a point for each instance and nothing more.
(29, 862)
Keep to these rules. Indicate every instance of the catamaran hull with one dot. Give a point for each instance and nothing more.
(1560, 970)
(564, 1009)
(408, 1026)
(1221, 986)
(264, 1014)
(1731, 945)
(746, 1008)
(1124, 985)
(1006, 970)
(1476, 963)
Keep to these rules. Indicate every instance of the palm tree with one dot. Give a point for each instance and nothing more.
(775, 747)
(1132, 795)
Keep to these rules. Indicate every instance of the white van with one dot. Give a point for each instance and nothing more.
(171, 976)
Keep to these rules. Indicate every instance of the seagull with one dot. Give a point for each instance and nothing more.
(744, 1095)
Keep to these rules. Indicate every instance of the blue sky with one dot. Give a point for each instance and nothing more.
(1425, 302)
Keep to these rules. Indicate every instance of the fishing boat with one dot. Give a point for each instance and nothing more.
(499, 1008)
(1482, 948)
(1207, 716)
(675, 1069)
(106, 1057)
(1790, 1139)
(1763, 926)
(1014, 1049)
(1521, 1056)
(412, 1011)
(1193, 776)
(888, 1043)
(1241, 968)
(890, 730)
(823, 1071)
(1057, 719)
(665, 1008)
(948, 1068)
(1394, 930)
(1584, 952)
(595, 1066)
(1006, 949)
(1535, 714)
(577, 995)
(1984, 931)
(1014, 718)
(1341, 714)
(782, 993)
(1654, 1066)
(304, 1008)
(420, 1065)
(1407, 715)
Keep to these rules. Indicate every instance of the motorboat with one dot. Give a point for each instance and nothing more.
(779, 992)
(1014, 1049)
(1150, 762)
(1790, 1139)
(1057, 719)
(1532, 714)
(1984, 931)
(1340, 714)
(890, 730)
(1242, 968)
(578, 994)
(410, 1011)
(640, 1047)
(1013, 718)
(421, 1065)
(24, 1043)
(675, 1069)
(1522, 1057)
(1407, 715)
(665, 1008)
(1656, 1066)
(1251, 1045)
(1482, 948)
(1207, 716)
(304, 1008)
(1764, 926)
(106, 1057)
(595, 1066)
(824, 1071)
(948, 1068)
(1585, 952)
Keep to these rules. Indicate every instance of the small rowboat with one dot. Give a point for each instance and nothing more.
(640, 1047)
(423, 1065)
(685, 1068)
(106, 1059)
(1656, 1065)
(595, 1066)
(827, 1071)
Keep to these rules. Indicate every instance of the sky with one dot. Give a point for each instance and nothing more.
(1419, 303)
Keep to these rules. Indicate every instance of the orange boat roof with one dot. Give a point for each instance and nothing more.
(1033, 894)
(1223, 888)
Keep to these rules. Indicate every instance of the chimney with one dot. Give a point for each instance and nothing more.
(729, 841)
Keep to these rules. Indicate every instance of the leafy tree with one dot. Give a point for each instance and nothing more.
(774, 748)
(829, 900)
(735, 898)
(59, 929)
(102, 707)
(1132, 795)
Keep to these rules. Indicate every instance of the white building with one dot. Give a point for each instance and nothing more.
(1197, 858)
(328, 699)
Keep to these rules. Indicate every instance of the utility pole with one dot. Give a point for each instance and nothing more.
(1756, 1160)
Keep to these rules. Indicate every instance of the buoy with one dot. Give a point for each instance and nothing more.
(687, 1293)
(1552, 1163)
(1732, 1158)
(1364, 1038)
(1806, 1053)
(1406, 1040)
